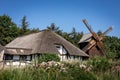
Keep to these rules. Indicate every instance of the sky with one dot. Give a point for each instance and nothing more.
(66, 14)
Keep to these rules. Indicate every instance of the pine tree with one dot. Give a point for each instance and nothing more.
(24, 25)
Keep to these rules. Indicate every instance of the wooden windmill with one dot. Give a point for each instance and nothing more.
(92, 43)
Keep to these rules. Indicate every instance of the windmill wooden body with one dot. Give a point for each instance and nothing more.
(92, 43)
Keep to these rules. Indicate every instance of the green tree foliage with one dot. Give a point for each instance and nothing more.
(24, 26)
(99, 32)
(112, 47)
(54, 28)
(8, 29)
(66, 36)
(48, 57)
(5, 21)
(73, 36)
(24, 30)
(34, 30)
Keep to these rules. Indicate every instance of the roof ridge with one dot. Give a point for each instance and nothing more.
(41, 40)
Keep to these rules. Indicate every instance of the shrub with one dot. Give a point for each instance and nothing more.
(5, 75)
(77, 73)
(48, 57)
(99, 63)
(72, 73)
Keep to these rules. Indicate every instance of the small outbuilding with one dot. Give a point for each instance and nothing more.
(85, 42)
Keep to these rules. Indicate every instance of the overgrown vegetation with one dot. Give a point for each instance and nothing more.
(65, 71)
(48, 57)
(9, 30)
(72, 72)
(105, 69)
(99, 63)
(112, 47)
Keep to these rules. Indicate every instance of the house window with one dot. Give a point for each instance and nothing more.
(22, 57)
(8, 57)
(16, 57)
(28, 58)
(64, 51)
(25, 57)
(72, 57)
(61, 49)
(77, 57)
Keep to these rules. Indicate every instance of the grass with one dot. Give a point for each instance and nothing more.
(72, 72)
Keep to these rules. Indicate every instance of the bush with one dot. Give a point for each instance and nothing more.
(77, 73)
(48, 57)
(99, 63)
(109, 77)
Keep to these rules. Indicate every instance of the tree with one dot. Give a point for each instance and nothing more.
(24, 25)
(66, 36)
(8, 29)
(75, 37)
(99, 32)
(112, 46)
(5, 21)
(54, 28)
(73, 33)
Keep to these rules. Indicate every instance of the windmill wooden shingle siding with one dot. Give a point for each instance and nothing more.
(92, 43)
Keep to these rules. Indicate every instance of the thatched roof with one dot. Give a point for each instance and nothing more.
(44, 42)
(85, 38)
(18, 51)
(1, 52)
(2, 48)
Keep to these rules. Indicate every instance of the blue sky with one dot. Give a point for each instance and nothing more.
(66, 14)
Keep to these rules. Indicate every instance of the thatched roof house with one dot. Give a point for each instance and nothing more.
(45, 41)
